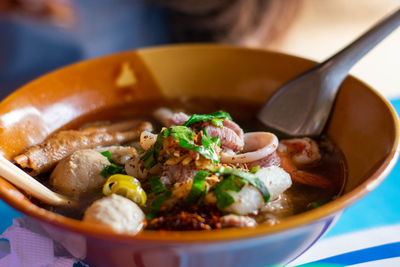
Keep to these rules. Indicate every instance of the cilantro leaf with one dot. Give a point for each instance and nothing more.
(180, 132)
(185, 137)
(195, 118)
(207, 149)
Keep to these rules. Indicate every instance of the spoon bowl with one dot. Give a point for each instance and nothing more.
(302, 106)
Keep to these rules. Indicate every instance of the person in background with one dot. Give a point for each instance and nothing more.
(38, 36)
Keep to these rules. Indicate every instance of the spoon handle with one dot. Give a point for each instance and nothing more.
(339, 64)
(22, 180)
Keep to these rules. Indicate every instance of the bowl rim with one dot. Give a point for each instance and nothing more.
(329, 209)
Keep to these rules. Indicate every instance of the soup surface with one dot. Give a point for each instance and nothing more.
(184, 164)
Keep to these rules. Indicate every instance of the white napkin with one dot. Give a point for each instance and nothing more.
(30, 246)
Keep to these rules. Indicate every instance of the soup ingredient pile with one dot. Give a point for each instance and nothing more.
(199, 172)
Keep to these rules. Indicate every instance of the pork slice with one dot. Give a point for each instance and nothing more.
(172, 174)
(229, 139)
(234, 127)
(169, 118)
(177, 119)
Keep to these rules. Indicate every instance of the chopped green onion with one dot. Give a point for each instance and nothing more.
(195, 118)
(255, 169)
(112, 169)
(249, 177)
(106, 154)
(156, 205)
(198, 190)
(156, 185)
(150, 157)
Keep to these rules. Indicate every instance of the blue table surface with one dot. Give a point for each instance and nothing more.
(378, 208)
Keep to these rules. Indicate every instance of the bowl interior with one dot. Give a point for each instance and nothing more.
(363, 124)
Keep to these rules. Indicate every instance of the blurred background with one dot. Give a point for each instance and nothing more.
(38, 36)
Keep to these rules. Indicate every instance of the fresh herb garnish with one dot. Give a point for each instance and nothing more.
(195, 118)
(247, 176)
(179, 132)
(255, 169)
(198, 190)
(107, 154)
(229, 183)
(156, 185)
(156, 205)
(150, 157)
(111, 169)
(207, 148)
(185, 136)
(217, 122)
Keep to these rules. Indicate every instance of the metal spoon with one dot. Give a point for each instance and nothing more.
(302, 106)
(33, 187)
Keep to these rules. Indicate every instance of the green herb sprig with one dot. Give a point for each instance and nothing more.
(216, 118)
(156, 185)
(156, 205)
(247, 176)
(111, 169)
(229, 183)
(150, 157)
(199, 188)
(185, 136)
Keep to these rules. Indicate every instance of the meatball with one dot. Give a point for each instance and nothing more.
(79, 174)
(116, 212)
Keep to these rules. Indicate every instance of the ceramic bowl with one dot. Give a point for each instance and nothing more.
(363, 125)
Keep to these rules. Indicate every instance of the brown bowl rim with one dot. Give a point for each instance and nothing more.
(302, 219)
